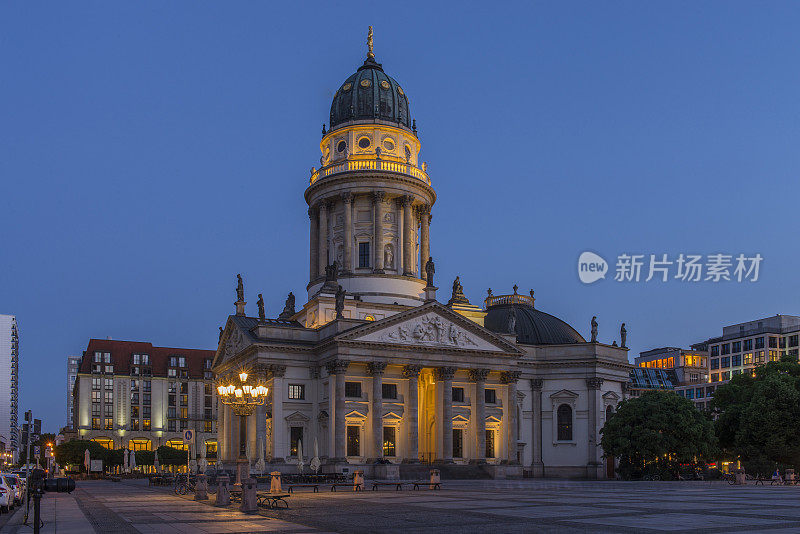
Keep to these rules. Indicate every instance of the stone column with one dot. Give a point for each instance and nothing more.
(338, 368)
(478, 376)
(424, 238)
(376, 369)
(408, 236)
(510, 379)
(594, 464)
(538, 464)
(222, 446)
(313, 244)
(445, 376)
(261, 430)
(411, 372)
(347, 201)
(378, 198)
(323, 237)
(280, 445)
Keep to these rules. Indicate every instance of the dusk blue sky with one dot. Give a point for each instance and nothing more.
(149, 151)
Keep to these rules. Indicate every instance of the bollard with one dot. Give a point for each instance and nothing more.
(249, 498)
(201, 488)
(435, 478)
(275, 482)
(739, 477)
(358, 480)
(223, 491)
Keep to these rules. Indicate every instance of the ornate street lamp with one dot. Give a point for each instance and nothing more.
(243, 397)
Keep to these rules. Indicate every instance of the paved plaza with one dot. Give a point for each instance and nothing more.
(462, 506)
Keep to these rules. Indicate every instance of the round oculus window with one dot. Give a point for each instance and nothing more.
(385, 84)
(400, 90)
(388, 144)
(347, 86)
(341, 146)
(365, 83)
(364, 142)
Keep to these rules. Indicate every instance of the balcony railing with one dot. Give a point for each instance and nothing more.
(495, 300)
(355, 165)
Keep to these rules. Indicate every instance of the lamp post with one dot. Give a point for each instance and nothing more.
(243, 397)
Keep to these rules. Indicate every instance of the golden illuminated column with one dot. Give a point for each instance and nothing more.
(347, 201)
(338, 368)
(323, 236)
(424, 238)
(411, 372)
(376, 369)
(478, 376)
(408, 236)
(444, 375)
(510, 379)
(378, 198)
(313, 244)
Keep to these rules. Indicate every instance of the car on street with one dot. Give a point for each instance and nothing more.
(17, 486)
(6, 495)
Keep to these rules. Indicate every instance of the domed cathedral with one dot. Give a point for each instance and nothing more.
(369, 203)
(375, 373)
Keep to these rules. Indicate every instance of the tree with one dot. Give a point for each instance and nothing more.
(759, 417)
(657, 432)
(72, 452)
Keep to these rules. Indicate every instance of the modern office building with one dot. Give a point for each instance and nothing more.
(686, 370)
(744, 346)
(134, 395)
(9, 382)
(73, 364)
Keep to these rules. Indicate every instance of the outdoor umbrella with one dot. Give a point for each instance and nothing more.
(203, 462)
(300, 463)
(87, 460)
(315, 463)
(125, 460)
(132, 461)
(155, 462)
(260, 464)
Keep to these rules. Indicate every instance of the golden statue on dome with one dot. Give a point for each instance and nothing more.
(370, 53)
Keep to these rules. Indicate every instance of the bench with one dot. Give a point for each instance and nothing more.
(398, 485)
(291, 487)
(436, 485)
(272, 500)
(359, 487)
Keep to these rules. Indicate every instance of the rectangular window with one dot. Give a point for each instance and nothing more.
(172, 425)
(715, 377)
(297, 391)
(145, 398)
(736, 372)
(207, 414)
(184, 413)
(773, 355)
(700, 393)
(172, 412)
(96, 409)
(759, 356)
(782, 343)
(171, 400)
(458, 443)
(725, 375)
(726, 348)
(736, 346)
(146, 386)
(725, 362)
(95, 396)
(736, 360)
(109, 424)
(295, 436)
(207, 401)
(793, 341)
(389, 441)
(109, 369)
(134, 424)
(134, 384)
(715, 350)
(184, 400)
(182, 361)
(207, 363)
(490, 396)
(689, 393)
(108, 396)
(98, 357)
(458, 395)
(206, 389)
(363, 255)
(95, 423)
(172, 373)
(106, 357)
(173, 361)
(96, 384)
(759, 342)
(680, 392)
(134, 412)
(108, 384)
(715, 363)
(145, 424)
(773, 342)
(389, 391)
(207, 426)
(748, 344)
(748, 358)
(352, 389)
(353, 446)
(490, 443)
(185, 388)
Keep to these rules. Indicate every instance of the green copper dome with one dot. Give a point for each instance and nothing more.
(368, 95)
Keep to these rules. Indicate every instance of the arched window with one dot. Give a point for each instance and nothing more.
(609, 412)
(565, 423)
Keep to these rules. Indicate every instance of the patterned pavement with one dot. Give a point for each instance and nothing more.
(462, 506)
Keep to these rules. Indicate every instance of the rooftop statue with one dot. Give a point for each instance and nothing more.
(430, 269)
(623, 336)
(594, 329)
(340, 302)
(261, 314)
(239, 289)
(288, 308)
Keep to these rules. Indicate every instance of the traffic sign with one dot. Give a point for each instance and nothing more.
(188, 435)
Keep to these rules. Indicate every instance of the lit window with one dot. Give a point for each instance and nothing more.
(564, 416)
(389, 441)
(352, 389)
(363, 256)
(490, 396)
(297, 391)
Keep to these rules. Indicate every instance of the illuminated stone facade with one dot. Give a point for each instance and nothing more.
(400, 378)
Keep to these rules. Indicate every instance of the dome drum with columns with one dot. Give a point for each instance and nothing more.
(374, 369)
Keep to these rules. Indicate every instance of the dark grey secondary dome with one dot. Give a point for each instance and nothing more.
(533, 327)
(370, 94)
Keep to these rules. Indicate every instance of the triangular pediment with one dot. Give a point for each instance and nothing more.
(297, 417)
(235, 337)
(564, 394)
(431, 325)
(611, 396)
